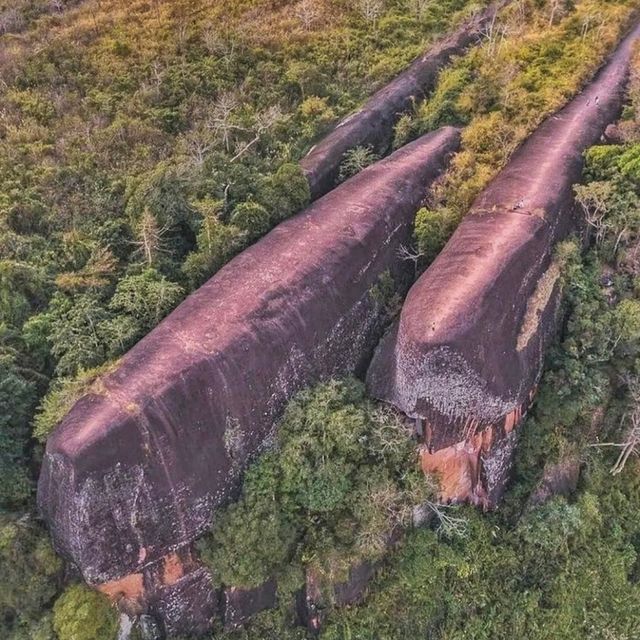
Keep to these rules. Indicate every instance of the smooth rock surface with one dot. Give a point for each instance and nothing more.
(139, 465)
(468, 350)
(372, 125)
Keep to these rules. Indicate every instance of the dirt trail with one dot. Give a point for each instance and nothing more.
(373, 123)
(136, 468)
(467, 353)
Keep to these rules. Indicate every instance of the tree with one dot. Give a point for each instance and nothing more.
(76, 333)
(263, 123)
(285, 192)
(370, 10)
(150, 242)
(17, 401)
(159, 193)
(252, 218)
(595, 198)
(146, 297)
(216, 241)
(307, 11)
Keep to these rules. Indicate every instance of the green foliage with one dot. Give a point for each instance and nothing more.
(342, 476)
(216, 243)
(81, 613)
(444, 105)
(384, 293)
(17, 398)
(355, 160)
(254, 535)
(144, 299)
(285, 192)
(432, 229)
(627, 319)
(30, 575)
(562, 570)
(251, 218)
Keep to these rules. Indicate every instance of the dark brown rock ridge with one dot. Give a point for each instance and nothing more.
(467, 352)
(135, 470)
(372, 125)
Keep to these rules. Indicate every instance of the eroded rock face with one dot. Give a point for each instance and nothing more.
(468, 350)
(239, 605)
(372, 125)
(558, 479)
(135, 470)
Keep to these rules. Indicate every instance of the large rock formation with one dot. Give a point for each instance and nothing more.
(372, 125)
(466, 355)
(133, 473)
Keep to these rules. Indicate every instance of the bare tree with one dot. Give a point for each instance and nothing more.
(450, 526)
(264, 122)
(410, 255)
(420, 7)
(593, 21)
(150, 238)
(594, 200)
(371, 10)
(308, 12)
(630, 424)
(220, 119)
(216, 45)
(493, 36)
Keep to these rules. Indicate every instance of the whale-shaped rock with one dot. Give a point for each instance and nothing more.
(467, 352)
(134, 472)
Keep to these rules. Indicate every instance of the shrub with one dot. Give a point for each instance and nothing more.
(30, 573)
(252, 218)
(81, 613)
(355, 160)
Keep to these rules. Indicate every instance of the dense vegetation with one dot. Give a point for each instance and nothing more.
(342, 477)
(143, 144)
(138, 155)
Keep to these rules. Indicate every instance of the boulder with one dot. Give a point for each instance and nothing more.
(558, 479)
(466, 354)
(239, 605)
(372, 125)
(139, 465)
